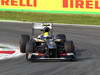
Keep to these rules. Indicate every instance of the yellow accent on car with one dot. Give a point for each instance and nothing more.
(46, 34)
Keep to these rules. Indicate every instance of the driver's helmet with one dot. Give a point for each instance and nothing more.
(45, 33)
(46, 29)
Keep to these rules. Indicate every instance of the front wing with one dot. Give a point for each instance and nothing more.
(68, 56)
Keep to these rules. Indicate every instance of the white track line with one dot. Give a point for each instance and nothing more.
(59, 24)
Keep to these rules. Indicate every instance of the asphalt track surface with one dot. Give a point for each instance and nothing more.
(86, 40)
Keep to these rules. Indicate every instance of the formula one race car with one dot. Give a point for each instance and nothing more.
(46, 45)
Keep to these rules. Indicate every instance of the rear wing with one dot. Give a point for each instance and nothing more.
(41, 25)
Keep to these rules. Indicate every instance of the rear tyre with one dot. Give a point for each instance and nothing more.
(60, 44)
(61, 36)
(24, 39)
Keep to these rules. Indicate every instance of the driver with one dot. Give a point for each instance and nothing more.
(45, 33)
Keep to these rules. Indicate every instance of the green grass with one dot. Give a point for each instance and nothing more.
(53, 18)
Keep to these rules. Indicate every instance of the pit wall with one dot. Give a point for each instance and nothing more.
(52, 6)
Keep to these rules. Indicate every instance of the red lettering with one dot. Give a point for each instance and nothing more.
(21, 3)
(4, 2)
(97, 4)
(89, 4)
(79, 4)
(65, 3)
(71, 4)
(28, 3)
(14, 3)
(35, 3)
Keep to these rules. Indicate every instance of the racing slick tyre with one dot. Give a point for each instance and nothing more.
(24, 39)
(61, 36)
(70, 48)
(29, 49)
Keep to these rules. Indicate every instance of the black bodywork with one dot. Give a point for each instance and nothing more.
(53, 47)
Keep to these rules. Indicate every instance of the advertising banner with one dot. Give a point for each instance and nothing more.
(52, 6)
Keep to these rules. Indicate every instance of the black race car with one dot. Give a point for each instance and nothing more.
(47, 45)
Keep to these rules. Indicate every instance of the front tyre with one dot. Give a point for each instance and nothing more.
(70, 48)
(29, 49)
